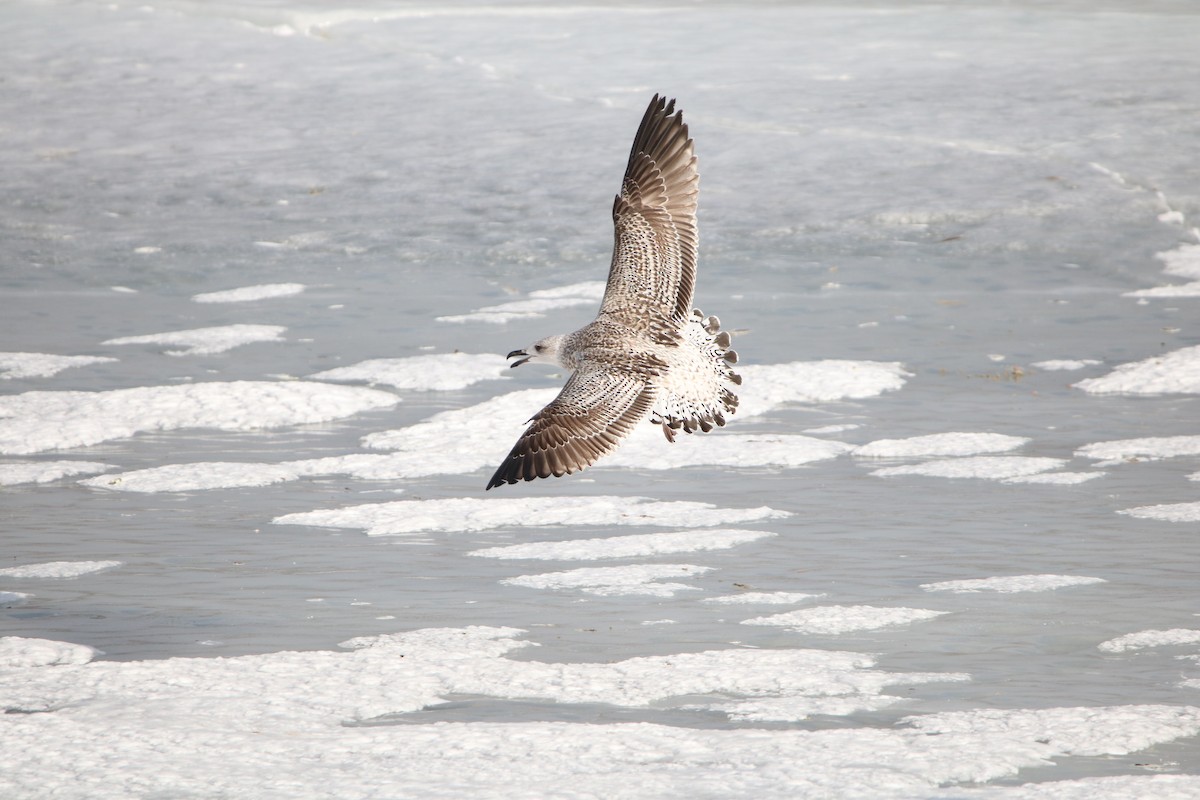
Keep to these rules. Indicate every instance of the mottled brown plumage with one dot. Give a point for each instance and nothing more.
(647, 354)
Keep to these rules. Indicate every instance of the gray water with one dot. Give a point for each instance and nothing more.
(938, 163)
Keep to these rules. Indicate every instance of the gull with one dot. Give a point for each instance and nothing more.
(648, 354)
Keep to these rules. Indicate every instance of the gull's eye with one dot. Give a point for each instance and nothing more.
(538, 348)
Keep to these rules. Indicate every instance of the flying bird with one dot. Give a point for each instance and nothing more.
(648, 354)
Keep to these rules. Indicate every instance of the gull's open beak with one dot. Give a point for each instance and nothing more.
(515, 353)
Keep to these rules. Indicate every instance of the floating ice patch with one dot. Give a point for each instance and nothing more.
(828, 429)
(1074, 731)
(645, 544)
(42, 365)
(17, 652)
(995, 468)
(592, 290)
(941, 444)
(645, 448)
(644, 579)
(440, 372)
(1011, 583)
(1175, 372)
(245, 294)
(517, 309)
(194, 477)
(1055, 365)
(1144, 639)
(1057, 478)
(1166, 512)
(208, 341)
(233, 726)
(853, 701)
(539, 302)
(768, 386)
(1191, 289)
(57, 569)
(762, 598)
(12, 474)
(1183, 261)
(35, 421)
(468, 514)
(829, 620)
(1145, 449)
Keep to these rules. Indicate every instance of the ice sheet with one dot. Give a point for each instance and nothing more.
(404, 517)
(246, 294)
(42, 365)
(1174, 372)
(207, 341)
(14, 473)
(37, 421)
(832, 620)
(1007, 584)
(433, 372)
(57, 569)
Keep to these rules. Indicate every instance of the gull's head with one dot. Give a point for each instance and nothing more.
(543, 350)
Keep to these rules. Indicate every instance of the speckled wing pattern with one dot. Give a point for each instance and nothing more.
(591, 415)
(653, 272)
(647, 354)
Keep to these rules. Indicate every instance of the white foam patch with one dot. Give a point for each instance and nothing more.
(17, 652)
(1191, 289)
(828, 429)
(58, 569)
(763, 598)
(646, 448)
(1057, 478)
(587, 293)
(517, 309)
(234, 726)
(844, 619)
(36, 421)
(13, 598)
(246, 294)
(402, 517)
(1166, 512)
(42, 365)
(1144, 449)
(641, 579)
(1011, 583)
(941, 444)
(768, 386)
(434, 372)
(207, 341)
(592, 290)
(1174, 372)
(194, 477)
(995, 468)
(13, 474)
(1064, 364)
(638, 545)
(1152, 638)
(1183, 261)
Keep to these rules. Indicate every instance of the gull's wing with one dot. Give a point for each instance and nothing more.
(653, 270)
(597, 408)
